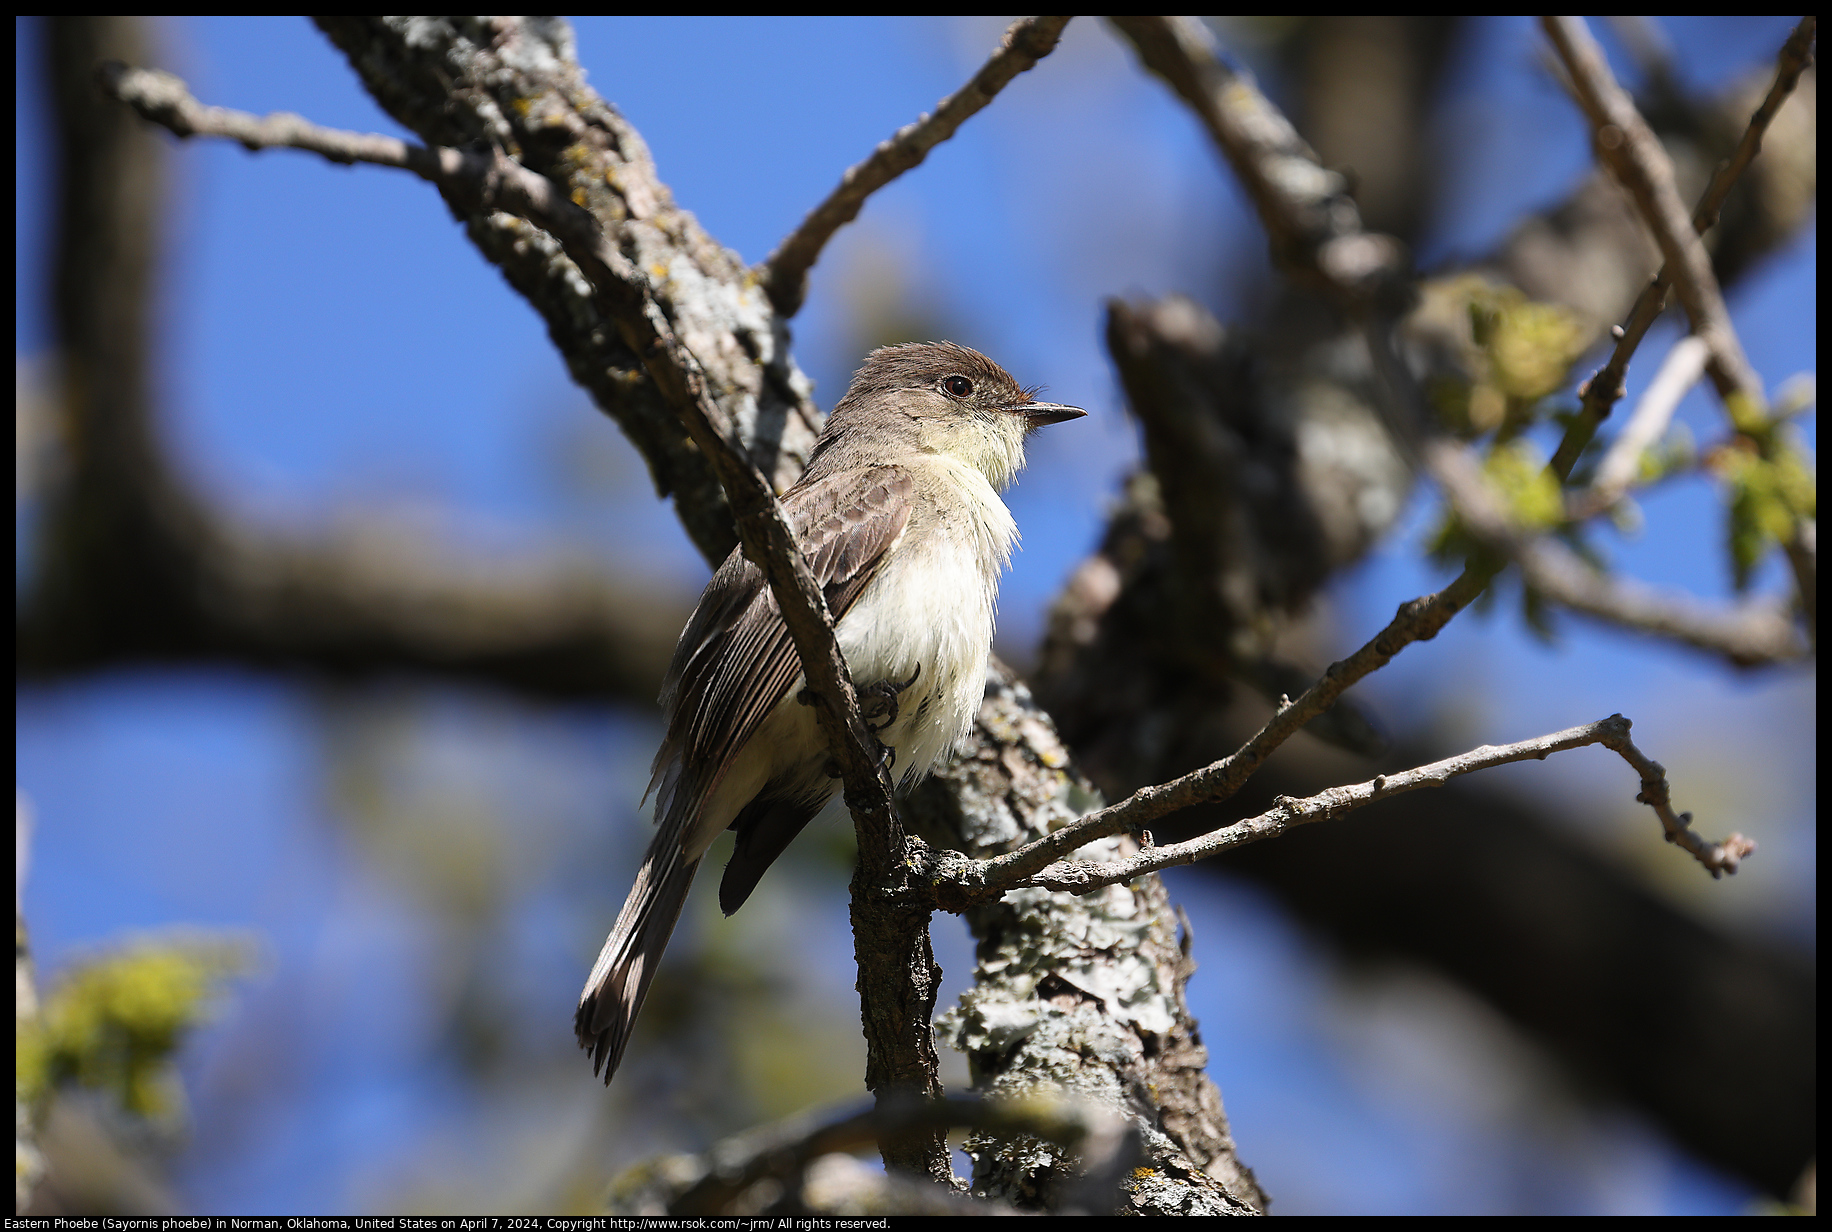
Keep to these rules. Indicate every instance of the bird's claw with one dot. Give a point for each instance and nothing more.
(881, 700)
(878, 709)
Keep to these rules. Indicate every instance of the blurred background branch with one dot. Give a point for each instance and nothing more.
(133, 566)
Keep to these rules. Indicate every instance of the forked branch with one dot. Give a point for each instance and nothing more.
(484, 180)
(1601, 392)
(1626, 143)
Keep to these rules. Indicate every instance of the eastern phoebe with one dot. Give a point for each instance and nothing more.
(899, 517)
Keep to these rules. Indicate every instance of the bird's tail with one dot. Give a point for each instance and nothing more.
(631, 954)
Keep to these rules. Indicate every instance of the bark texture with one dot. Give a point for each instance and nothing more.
(1077, 995)
(516, 84)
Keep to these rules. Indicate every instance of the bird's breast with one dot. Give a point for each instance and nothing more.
(929, 614)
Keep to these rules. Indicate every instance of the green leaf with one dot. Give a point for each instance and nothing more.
(1519, 473)
(114, 1022)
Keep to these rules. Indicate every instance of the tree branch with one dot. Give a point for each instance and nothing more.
(1307, 210)
(1678, 373)
(785, 271)
(1316, 231)
(1632, 151)
(783, 1152)
(555, 270)
(514, 84)
(1310, 217)
(1417, 620)
(1257, 522)
(1603, 389)
(1074, 994)
(131, 564)
(492, 181)
(1749, 634)
(465, 81)
(1752, 635)
(1153, 718)
(1080, 877)
(1208, 384)
(1626, 143)
(1312, 223)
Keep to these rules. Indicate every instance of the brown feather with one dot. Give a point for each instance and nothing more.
(736, 661)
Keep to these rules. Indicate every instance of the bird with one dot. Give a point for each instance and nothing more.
(899, 518)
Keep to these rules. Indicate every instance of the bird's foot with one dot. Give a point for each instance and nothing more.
(878, 702)
(878, 709)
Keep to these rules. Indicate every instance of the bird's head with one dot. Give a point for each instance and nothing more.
(941, 398)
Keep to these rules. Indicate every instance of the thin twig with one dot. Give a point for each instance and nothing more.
(1602, 391)
(1082, 877)
(1678, 373)
(1417, 620)
(1634, 154)
(1720, 858)
(1748, 634)
(785, 271)
(1628, 146)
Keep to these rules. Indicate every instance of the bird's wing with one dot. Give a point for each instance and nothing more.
(735, 660)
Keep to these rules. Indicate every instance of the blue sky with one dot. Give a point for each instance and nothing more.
(331, 346)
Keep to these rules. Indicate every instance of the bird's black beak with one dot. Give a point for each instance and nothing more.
(1040, 413)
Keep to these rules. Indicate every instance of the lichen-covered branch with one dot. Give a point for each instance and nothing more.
(489, 181)
(774, 1160)
(514, 85)
(415, 83)
(1082, 996)
(486, 181)
(506, 84)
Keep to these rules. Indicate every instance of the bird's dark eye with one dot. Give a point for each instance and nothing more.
(959, 386)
